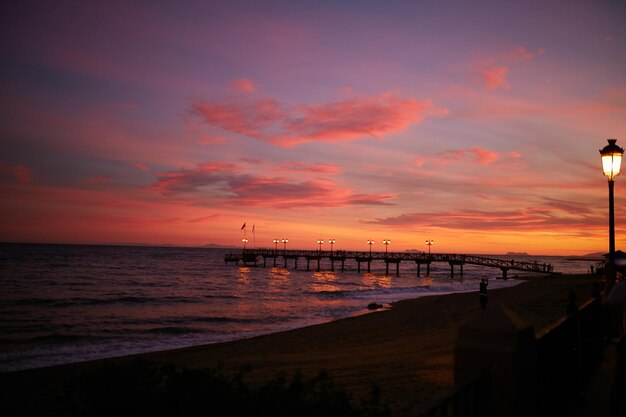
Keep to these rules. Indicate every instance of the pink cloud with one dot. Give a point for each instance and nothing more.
(329, 169)
(21, 173)
(98, 180)
(493, 77)
(477, 155)
(243, 85)
(140, 166)
(350, 119)
(559, 215)
(228, 184)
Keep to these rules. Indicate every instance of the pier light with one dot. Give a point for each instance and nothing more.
(285, 244)
(611, 156)
(332, 242)
(276, 241)
(320, 242)
(244, 240)
(386, 242)
(429, 242)
(370, 242)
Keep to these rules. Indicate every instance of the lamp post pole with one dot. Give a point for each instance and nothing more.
(319, 242)
(332, 242)
(386, 242)
(285, 245)
(276, 245)
(611, 156)
(370, 242)
(429, 243)
(244, 240)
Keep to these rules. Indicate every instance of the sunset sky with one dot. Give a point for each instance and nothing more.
(475, 124)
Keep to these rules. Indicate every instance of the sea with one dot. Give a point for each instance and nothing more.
(61, 304)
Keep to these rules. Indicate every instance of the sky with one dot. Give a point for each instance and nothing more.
(474, 124)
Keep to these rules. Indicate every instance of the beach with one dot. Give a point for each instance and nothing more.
(406, 351)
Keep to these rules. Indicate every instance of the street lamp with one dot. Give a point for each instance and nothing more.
(244, 240)
(319, 242)
(285, 245)
(386, 242)
(276, 245)
(370, 242)
(332, 242)
(429, 243)
(611, 160)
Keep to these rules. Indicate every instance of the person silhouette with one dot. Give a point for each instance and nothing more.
(482, 293)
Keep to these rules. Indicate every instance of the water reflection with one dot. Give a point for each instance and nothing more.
(324, 281)
(243, 275)
(380, 281)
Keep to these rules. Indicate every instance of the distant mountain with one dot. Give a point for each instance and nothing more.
(517, 253)
(217, 246)
(594, 255)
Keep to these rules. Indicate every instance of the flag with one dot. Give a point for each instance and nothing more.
(244, 226)
(252, 227)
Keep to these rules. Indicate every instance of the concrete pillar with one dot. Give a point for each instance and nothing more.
(497, 342)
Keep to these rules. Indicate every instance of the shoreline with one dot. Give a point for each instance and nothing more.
(406, 350)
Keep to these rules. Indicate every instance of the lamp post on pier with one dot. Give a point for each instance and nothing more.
(611, 156)
(332, 242)
(285, 245)
(320, 242)
(370, 242)
(244, 240)
(429, 242)
(276, 245)
(386, 242)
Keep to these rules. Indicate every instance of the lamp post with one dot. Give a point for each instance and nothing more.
(332, 242)
(429, 242)
(276, 245)
(611, 156)
(244, 240)
(285, 245)
(386, 242)
(370, 242)
(319, 242)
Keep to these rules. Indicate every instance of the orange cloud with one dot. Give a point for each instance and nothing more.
(20, 173)
(350, 119)
(140, 166)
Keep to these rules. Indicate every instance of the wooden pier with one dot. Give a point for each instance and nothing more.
(251, 256)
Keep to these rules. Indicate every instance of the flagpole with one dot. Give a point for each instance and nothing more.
(253, 236)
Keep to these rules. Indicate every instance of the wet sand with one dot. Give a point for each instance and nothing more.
(407, 350)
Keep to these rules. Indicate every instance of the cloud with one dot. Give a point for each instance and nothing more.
(21, 173)
(492, 72)
(98, 180)
(529, 219)
(477, 155)
(493, 77)
(227, 183)
(140, 166)
(354, 118)
(293, 166)
(243, 85)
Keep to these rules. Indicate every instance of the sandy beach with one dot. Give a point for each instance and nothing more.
(406, 350)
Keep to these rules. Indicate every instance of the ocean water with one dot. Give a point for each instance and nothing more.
(69, 303)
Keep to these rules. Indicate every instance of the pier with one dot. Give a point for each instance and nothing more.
(365, 259)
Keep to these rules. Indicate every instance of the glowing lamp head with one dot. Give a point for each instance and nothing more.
(611, 159)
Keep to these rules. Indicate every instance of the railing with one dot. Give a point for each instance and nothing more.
(419, 257)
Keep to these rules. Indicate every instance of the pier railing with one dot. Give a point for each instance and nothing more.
(251, 255)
